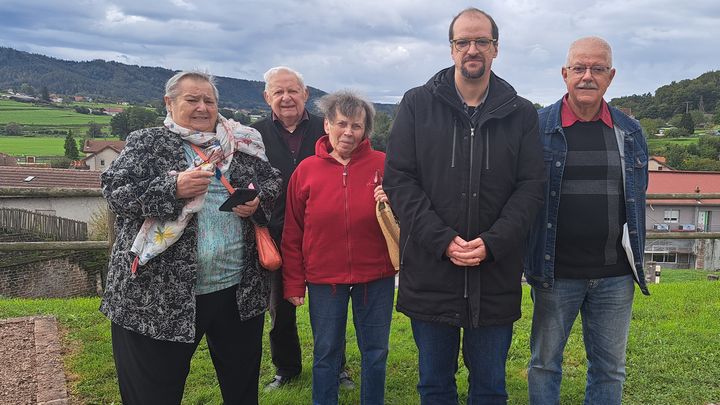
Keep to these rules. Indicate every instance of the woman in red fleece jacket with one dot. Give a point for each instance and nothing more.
(333, 244)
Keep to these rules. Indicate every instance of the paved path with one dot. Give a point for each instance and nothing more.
(31, 362)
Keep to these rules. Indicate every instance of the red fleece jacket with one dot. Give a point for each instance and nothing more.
(331, 234)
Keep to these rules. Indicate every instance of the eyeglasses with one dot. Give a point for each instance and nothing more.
(594, 70)
(482, 44)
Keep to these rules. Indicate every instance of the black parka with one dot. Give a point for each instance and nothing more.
(282, 159)
(447, 175)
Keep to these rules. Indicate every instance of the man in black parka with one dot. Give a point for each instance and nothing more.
(465, 175)
(289, 135)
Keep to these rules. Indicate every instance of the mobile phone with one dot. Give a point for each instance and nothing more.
(240, 196)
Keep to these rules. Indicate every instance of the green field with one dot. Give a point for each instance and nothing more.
(33, 146)
(39, 145)
(38, 119)
(656, 146)
(673, 352)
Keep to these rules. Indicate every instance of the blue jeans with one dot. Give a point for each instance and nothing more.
(606, 307)
(372, 305)
(485, 351)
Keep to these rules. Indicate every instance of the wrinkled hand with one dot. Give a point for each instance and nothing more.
(192, 183)
(247, 209)
(379, 194)
(464, 253)
(297, 301)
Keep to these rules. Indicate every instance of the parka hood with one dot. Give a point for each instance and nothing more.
(442, 85)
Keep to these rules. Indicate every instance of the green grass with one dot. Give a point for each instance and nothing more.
(49, 117)
(675, 276)
(33, 146)
(38, 145)
(657, 146)
(42, 119)
(673, 352)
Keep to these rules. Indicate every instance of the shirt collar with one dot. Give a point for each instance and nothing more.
(482, 100)
(569, 118)
(305, 117)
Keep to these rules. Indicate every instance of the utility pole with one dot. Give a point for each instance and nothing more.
(687, 107)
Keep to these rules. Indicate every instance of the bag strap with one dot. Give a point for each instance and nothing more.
(224, 181)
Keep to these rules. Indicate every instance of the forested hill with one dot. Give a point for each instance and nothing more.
(702, 93)
(113, 81)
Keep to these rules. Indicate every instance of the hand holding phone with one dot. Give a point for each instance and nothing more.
(240, 196)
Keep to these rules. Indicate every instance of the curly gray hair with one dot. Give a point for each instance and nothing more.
(349, 104)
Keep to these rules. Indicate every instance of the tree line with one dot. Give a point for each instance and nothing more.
(701, 94)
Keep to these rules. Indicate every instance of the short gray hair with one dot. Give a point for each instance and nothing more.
(349, 104)
(272, 72)
(171, 87)
(580, 42)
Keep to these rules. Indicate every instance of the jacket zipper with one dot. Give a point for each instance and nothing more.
(487, 148)
(469, 196)
(347, 220)
(452, 159)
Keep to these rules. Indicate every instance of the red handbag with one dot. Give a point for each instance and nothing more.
(268, 253)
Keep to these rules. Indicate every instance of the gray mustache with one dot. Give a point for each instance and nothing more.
(586, 85)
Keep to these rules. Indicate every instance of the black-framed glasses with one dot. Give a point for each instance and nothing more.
(595, 70)
(482, 44)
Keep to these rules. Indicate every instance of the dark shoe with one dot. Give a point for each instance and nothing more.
(277, 382)
(346, 382)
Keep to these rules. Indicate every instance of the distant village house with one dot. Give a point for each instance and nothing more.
(80, 208)
(100, 154)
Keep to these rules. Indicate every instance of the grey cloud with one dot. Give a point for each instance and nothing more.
(377, 46)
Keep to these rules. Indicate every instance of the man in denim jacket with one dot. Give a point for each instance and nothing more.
(586, 249)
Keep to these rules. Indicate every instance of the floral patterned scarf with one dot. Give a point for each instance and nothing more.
(155, 236)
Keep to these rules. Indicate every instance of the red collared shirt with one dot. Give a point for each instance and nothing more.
(568, 117)
(292, 139)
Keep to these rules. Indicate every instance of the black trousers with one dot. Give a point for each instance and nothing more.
(284, 340)
(152, 371)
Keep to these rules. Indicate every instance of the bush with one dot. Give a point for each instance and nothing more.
(13, 128)
(676, 132)
(60, 163)
(98, 225)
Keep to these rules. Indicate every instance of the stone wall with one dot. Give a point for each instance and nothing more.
(58, 277)
(710, 249)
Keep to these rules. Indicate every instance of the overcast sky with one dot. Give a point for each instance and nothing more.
(380, 47)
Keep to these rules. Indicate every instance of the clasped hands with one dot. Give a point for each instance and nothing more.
(193, 183)
(466, 253)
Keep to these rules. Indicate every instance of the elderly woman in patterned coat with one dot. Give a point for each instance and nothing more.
(180, 268)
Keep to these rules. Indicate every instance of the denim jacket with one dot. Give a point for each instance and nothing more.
(540, 257)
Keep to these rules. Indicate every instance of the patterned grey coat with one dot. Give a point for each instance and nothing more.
(159, 300)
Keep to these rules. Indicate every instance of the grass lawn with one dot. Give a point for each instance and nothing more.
(37, 119)
(674, 276)
(39, 145)
(655, 143)
(673, 352)
(33, 146)
(49, 117)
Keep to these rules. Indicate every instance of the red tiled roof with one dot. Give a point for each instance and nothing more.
(92, 154)
(659, 159)
(95, 146)
(664, 182)
(14, 176)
